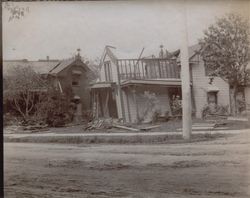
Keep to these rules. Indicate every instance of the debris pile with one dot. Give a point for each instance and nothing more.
(110, 123)
(26, 129)
(36, 128)
(100, 124)
(12, 129)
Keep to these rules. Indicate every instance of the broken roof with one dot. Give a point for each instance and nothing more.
(115, 53)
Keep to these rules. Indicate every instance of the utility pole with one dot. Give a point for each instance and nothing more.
(185, 80)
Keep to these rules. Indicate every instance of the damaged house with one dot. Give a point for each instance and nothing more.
(136, 89)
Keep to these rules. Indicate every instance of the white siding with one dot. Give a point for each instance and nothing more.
(113, 70)
(162, 96)
(200, 85)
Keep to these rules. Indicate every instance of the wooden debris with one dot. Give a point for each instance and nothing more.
(237, 119)
(108, 123)
(35, 127)
(149, 128)
(126, 128)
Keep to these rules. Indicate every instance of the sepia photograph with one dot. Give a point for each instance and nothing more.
(126, 99)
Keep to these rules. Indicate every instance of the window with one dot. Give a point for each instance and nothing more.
(212, 97)
(75, 83)
(75, 80)
(108, 72)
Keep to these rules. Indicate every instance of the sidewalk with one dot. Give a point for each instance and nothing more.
(120, 134)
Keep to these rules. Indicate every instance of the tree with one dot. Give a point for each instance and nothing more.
(23, 87)
(226, 51)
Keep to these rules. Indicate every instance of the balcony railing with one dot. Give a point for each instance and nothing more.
(154, 68)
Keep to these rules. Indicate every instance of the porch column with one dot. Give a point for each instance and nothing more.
(136, 105)
(119, 98)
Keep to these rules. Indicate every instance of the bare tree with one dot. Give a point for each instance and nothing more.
(23, 88)
(226, 51)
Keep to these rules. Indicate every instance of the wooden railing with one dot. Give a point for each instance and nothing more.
(154, 68)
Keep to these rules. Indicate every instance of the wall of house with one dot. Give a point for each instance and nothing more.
(82, 89)
(114, 74)
(113, 70)
(142, 103)
(201, 84)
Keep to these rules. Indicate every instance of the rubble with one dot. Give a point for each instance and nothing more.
(109, 123)
(100, 124)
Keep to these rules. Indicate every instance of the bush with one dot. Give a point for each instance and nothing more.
(176, 106)
(56, 111)
(217, 110)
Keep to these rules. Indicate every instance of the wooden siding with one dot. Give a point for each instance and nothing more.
(201, 84)
(142, 102)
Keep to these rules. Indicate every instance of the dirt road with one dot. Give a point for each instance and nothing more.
(218, 168)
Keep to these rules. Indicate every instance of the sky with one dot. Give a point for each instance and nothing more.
(57, 29)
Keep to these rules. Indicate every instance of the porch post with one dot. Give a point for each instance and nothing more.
(185, 80)
(136, 105)
(120, 94)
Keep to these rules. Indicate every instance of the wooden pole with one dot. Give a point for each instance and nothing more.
(185, 80)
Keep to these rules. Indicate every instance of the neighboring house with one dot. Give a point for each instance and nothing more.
(133, 89)
(68, 76)
(206, 90)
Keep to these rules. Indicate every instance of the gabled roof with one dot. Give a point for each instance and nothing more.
(193, 50)
(41, 67)
(62, 65)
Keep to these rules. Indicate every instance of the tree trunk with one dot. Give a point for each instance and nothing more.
(234, 100)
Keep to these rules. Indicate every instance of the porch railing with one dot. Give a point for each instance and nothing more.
(154, 68)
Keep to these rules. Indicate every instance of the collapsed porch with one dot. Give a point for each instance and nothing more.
(136, 84)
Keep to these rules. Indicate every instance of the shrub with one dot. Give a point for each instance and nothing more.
(217, 110)
(56, 111)
(176, 106)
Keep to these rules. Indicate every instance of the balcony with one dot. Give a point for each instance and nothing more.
(148, 69)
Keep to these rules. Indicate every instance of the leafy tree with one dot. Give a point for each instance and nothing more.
(23, 87)
(226, 51)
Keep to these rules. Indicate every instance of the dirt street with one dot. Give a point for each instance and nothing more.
(218, 168)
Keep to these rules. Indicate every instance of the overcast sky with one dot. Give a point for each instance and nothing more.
(57, 29)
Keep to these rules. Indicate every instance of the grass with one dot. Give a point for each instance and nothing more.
(115, 139)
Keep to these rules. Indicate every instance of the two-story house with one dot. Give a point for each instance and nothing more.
(133, 89)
